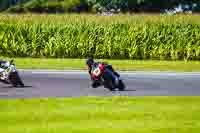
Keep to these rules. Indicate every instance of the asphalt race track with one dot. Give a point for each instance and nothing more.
(77, 83)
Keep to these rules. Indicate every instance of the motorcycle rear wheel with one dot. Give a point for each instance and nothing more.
(15, 80)
(121, 85)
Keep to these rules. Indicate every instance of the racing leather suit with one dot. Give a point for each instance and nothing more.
(96, 83)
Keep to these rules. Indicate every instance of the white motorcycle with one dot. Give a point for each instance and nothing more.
(10, 75)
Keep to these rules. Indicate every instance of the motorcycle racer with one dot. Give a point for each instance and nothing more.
(90, 63)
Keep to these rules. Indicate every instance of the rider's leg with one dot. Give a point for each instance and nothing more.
(111, 68)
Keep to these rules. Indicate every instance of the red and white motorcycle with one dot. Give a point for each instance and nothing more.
(107, 78)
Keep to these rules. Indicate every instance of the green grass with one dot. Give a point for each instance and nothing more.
(101, 115)
(133, 65)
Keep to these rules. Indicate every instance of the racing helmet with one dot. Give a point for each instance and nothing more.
(89, 61)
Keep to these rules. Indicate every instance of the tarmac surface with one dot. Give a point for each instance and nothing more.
(43, 84)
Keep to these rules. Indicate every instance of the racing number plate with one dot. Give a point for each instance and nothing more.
(96, 71)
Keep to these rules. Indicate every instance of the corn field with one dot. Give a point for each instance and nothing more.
(116, 37)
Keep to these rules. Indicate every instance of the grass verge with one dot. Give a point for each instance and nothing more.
(97, 115)
(133, 65)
